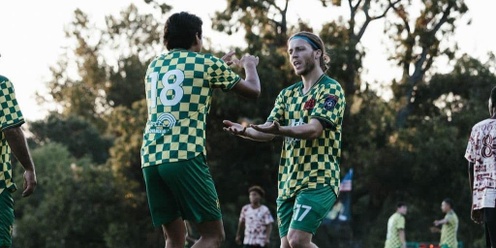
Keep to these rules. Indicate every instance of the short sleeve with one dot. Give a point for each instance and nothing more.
(449, 219)
(330, 105)
(221, 75)
(10, 113)
(242, 215)
(277, 113)
(401, 223)
(267, 218)
(470, 153)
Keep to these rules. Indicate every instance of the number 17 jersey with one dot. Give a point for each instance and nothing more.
(179, 86)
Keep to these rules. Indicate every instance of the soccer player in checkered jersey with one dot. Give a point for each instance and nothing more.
(481, 157)
(179, 85)
(12, 140)
(309, 115)
(395, 235)
(449, 225)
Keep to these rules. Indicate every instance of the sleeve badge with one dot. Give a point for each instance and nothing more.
(330, 102)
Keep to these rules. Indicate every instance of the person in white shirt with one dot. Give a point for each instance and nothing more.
(256, 220)
(481, 156)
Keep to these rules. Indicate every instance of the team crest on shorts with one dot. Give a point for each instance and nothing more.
(330, 102)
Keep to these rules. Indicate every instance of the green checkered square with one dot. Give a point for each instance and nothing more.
(310, 163)
(10, 116)
(179, 87)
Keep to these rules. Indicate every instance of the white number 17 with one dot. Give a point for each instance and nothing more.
(297, 215)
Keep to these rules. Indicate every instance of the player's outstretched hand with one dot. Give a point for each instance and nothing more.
(234, 128)
(29, 183)
(272, 128)
(229, 58)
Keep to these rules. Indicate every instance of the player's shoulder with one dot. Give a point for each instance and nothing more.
(484, 123)
(3, 79)
(329, 82)
(264, 207)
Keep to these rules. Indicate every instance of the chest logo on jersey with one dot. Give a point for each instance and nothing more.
(309, 105)
(294, 123)
(165, 122)
(330, 102)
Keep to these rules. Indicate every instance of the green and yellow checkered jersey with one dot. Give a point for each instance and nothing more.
(449, 231)
(310, 164)
(10, 116)
(179, 86)
(395, 223)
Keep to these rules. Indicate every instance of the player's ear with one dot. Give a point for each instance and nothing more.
(198, 38)
(318, 53)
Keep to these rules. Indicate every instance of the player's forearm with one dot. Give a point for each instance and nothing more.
(255, 135)
(268, 231)
(252, 80)
(470, 174)
(307, 131)
(402, 237)
(443, 221)
(240, 228)
(18, 145)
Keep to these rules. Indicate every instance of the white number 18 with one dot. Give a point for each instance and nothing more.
(178, 92)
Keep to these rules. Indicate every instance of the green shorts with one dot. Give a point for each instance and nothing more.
(305, 211)
(6, 218)
(181, 189)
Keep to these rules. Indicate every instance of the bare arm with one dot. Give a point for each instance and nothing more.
(250, 86)
(247, 132)
(401, 233)
(309, 131)
(470, 175)
(441, 222)
(241, 225)
(18, 145)
(476, 215)
(269, 130)
(267, 233)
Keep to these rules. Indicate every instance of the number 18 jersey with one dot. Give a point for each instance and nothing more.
(179, 86)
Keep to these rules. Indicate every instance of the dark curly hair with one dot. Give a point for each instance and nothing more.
(181, 29)
(257, 189)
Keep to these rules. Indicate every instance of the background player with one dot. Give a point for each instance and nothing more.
(256, 221)
(395, 236)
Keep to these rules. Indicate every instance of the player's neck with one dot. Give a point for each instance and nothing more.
(310, 79)
(493, 114)
(255, 204)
